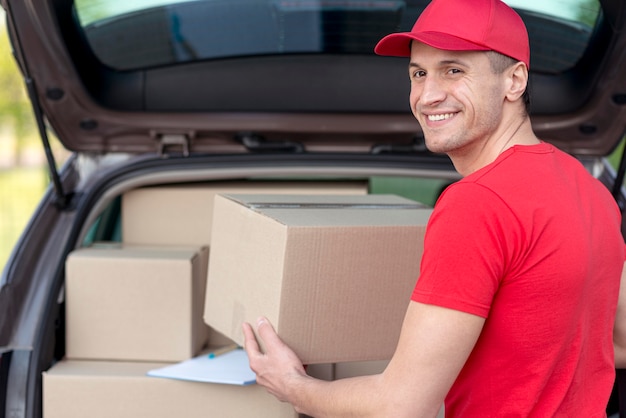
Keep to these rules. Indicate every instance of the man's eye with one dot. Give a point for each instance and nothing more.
(419, 74)
(454, 71)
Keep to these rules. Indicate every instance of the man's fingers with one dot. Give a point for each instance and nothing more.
(267, 333)
(276, 367)
(250, 343)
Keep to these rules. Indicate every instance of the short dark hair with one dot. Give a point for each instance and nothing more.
(500, 62)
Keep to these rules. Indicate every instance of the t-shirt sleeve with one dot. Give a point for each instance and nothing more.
(470, 239)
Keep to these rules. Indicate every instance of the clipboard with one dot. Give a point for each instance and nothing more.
(230, 368)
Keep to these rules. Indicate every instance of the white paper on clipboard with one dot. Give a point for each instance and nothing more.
(231, 368)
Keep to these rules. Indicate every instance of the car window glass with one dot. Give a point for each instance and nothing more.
(137, 34)
(584, 12)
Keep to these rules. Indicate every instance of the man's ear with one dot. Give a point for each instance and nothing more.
(517, 81)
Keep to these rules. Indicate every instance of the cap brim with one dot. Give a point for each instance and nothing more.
(399, 44)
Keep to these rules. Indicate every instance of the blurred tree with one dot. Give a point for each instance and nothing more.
(15, 109)
(588, 12)
(89, 11)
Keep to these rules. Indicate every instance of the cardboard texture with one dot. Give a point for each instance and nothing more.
(135, 303)
(181, 215)
(344, 370)
(99, 389)
(334, 274)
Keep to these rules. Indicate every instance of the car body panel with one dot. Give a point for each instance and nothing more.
(94, 108)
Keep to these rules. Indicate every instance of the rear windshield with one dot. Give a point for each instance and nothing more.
(137, 34)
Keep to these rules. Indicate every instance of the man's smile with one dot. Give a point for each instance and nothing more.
(440, 116)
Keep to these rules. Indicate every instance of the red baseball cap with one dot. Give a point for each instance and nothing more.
(463, 25)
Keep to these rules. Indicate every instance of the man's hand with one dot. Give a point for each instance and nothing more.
(278, 369)
(434, 345)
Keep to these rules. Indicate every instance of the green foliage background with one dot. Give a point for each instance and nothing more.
(15, 109)
(21, 188)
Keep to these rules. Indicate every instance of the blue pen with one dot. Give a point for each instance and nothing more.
(223, 350)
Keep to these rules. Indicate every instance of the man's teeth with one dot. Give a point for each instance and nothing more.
(440, 117)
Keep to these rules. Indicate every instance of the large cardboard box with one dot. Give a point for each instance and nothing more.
(181, 215)
(100, 389)
(334, 274)
(135, 303)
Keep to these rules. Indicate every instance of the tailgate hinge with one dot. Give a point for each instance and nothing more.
(167, 142)
(257, 143)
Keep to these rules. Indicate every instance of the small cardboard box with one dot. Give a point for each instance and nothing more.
(135, 303)
(181, 215)
(102, 389)
(334, 274)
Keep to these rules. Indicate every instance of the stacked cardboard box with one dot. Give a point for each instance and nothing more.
(182, 215)
(135, 303)
(334, 274)
(132, 309)
(141, 302)
(104, 389)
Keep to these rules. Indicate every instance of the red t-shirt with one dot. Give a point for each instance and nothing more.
(532, 243)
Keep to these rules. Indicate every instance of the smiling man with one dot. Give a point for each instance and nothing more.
(513, 312)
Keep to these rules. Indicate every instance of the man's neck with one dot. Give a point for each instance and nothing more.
(467, 161)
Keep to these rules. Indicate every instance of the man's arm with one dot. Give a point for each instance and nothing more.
(434, 344)
(619, 330)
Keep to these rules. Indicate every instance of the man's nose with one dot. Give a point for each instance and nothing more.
(432, 91)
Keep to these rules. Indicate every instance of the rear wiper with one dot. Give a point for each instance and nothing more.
(257, 143)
